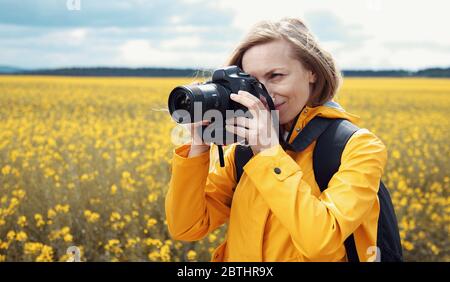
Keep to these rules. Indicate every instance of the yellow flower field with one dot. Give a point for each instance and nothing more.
(86, 161)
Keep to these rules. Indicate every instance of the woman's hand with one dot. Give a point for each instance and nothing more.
(259, 130)
(195, 129)
(197, 145)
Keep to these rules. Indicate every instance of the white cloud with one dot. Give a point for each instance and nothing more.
(379, 23)
(175, 19)
(359, 33)
(77, 36)
(181, 43)
(139, 53)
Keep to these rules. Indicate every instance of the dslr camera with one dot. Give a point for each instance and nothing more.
(191, 103)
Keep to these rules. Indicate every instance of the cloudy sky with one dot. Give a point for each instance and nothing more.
(361, 34)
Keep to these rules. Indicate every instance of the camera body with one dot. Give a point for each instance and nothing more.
(212, 95)
(194, 103)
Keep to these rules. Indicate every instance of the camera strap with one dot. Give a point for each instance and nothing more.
(275, 118)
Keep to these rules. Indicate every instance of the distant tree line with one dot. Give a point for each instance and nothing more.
(431, 72)
(189, 72)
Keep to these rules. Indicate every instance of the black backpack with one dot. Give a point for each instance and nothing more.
(332, 136)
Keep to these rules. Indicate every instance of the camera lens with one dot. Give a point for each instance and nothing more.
(183, 102)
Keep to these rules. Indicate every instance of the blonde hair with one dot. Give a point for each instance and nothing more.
(305, 49)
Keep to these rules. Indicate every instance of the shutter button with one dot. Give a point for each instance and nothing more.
(277, 170)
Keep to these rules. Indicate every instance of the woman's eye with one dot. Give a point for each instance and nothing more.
(275, 75)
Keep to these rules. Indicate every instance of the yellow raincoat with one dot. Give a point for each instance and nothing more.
(280, 217)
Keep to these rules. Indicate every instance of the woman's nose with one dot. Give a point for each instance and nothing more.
(271, 93)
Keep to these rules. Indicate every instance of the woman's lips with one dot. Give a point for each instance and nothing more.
(277, 107)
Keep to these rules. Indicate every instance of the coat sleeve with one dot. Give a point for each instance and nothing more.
(319, 226)
(199, 195)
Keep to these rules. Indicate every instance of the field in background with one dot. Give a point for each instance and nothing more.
(86, 162)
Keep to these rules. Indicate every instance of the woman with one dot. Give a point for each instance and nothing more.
(276, 212)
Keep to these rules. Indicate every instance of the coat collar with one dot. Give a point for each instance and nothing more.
(330, 109)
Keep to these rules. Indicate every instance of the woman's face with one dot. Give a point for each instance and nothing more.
(287, 81)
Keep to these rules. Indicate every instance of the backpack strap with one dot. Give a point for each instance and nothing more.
(242, 155)
(326, 161)
(311, 132)
(328, 150)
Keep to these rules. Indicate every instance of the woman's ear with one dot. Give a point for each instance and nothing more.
(312, 77)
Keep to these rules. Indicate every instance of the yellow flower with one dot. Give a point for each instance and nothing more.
(11, 235)
(21, 236)
(435, 249)
(6, 169)
(396, 154)
(13, 203)
(32, 248)
(151, 222)
(153, 242)
(62, 208)
(20, 193)
(115, 216)
(22, 221)
(154, 256)
(191, 255)
(49, 172)
(46, 254)
(118, 225)
(51, 213)
(64, 233)
(106, 156)
(152, 197)
(65, 230)
(91, 216)
(39, 220)
(408, 245)
(165, 253)
(4, 245)
(68, 238)
(113, 246)
(131, 243)
(212, 238)
(421, 235)
(113, 189)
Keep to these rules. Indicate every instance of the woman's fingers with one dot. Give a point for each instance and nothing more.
(198, 124)
(246, 99)
(264, 101)
(241, 121)
(251, 97)
(196, 132)
(239, 131)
